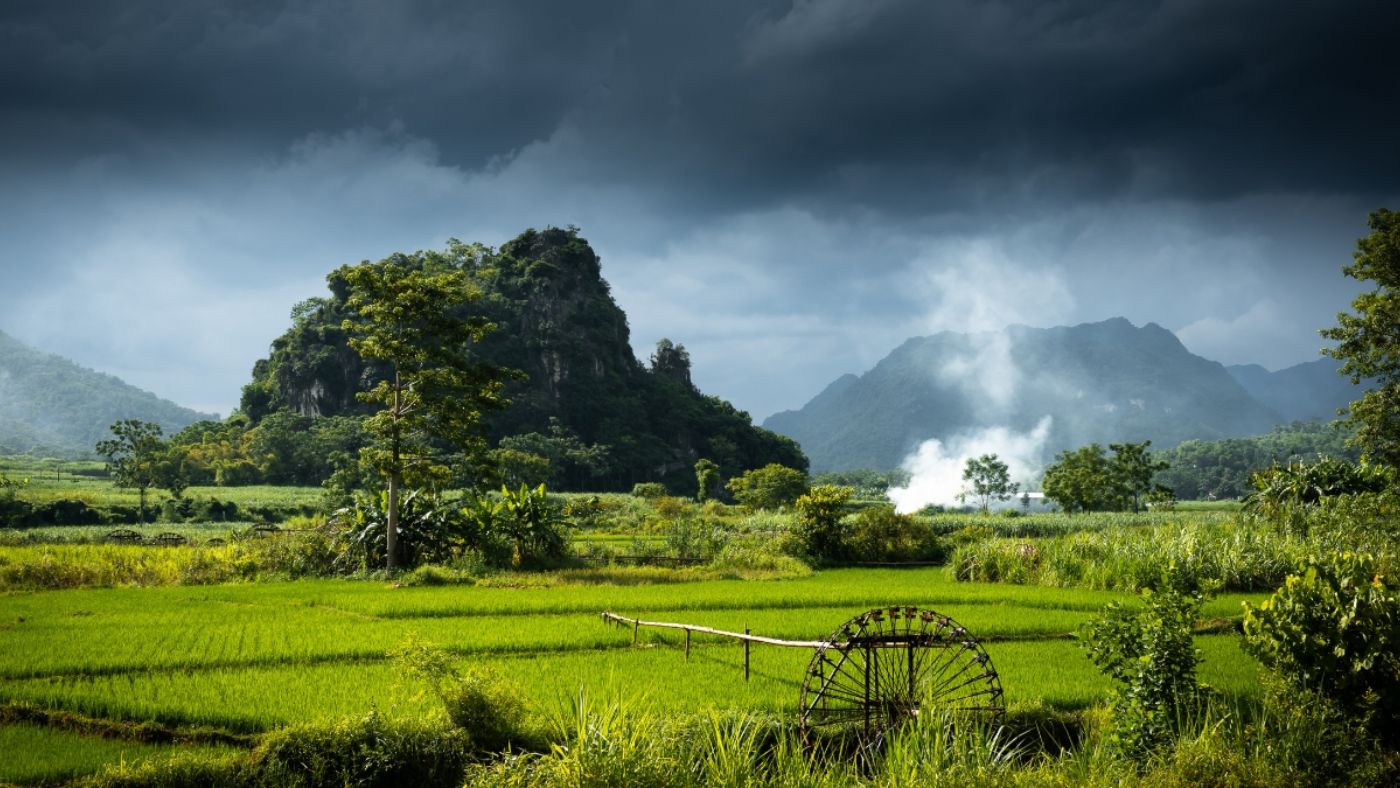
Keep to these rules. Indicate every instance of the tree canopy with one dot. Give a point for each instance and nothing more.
(1087, 479)
(990, 480)
(1368, 342)
(431, 405)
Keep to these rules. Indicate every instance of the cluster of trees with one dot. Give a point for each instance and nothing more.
(865, 482)
(1088, 479)
(1221, 469)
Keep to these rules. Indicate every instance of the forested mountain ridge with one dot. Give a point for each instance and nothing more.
(50, 405)
(1106, 382)
(585, 398)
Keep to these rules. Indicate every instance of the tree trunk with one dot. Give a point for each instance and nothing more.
(391, 540)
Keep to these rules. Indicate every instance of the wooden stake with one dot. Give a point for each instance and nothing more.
(746, 656)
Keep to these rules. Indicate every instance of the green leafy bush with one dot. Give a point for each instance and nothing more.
(771, 487)
(1283, 494)
(648, 490)
(1151, 655)
(879, 534)
(819, 524)
(1335, 628)
(371, 751)
(490, 708)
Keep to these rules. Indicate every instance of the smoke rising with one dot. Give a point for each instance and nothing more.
(936, 468)
(979, 290)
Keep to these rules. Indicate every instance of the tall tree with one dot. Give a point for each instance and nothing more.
(990, 478)
(413, 314)
(1081, 480)
(1368, 342)
(135, 456)
(1134, 466)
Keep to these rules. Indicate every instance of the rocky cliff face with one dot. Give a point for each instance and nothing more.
(558, 323)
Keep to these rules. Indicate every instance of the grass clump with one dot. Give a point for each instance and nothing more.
(489, 708)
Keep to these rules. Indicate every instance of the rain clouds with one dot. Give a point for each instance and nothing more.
(789, 188)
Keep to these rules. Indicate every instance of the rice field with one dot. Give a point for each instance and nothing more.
(248, 658)
(35, 753)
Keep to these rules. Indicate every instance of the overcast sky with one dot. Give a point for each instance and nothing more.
(790, 189)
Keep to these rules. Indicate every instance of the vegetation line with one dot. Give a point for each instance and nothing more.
(144, 732)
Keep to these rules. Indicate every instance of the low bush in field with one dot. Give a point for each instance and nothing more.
(489, 708)
(1151, 654)
(371, 751)
(878, 534)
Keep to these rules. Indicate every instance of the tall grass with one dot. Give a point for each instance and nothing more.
(1239, 557)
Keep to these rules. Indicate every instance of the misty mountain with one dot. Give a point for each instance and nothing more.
(49, 405)
(1104, 382)
(1312, 390)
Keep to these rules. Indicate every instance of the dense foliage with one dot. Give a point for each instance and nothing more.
(1334, 628)
(818, 521)
(771, 487)
(1088, 480)
(1151, 655)
(1283, 493)
(603, 419)
(1200, 470)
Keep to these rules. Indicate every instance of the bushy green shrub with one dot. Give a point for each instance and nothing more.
(1335, 628)
(1283, 494)
(819, 524)
(1151, 655)
(771, 487)
(487, 706)
(648, 490)
(879, 534)
(371, 751)
(64, 511)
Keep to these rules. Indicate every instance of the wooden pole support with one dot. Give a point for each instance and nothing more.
(746, 656)
(687, 645)
(636, 625)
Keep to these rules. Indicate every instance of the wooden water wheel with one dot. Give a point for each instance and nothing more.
(888, 665)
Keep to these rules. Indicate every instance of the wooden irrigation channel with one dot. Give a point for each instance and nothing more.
(747, 638)
(876, 670)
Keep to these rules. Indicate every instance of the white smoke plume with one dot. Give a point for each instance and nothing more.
(976, 288)
(936, 469)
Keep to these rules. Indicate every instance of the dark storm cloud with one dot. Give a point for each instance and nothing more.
(791, 188)
(901, 105)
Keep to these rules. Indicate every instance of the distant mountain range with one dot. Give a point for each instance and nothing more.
(1104, 382)
(51, 406)
(1312, 390)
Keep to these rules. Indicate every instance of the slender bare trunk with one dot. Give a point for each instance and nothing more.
(391, 541)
